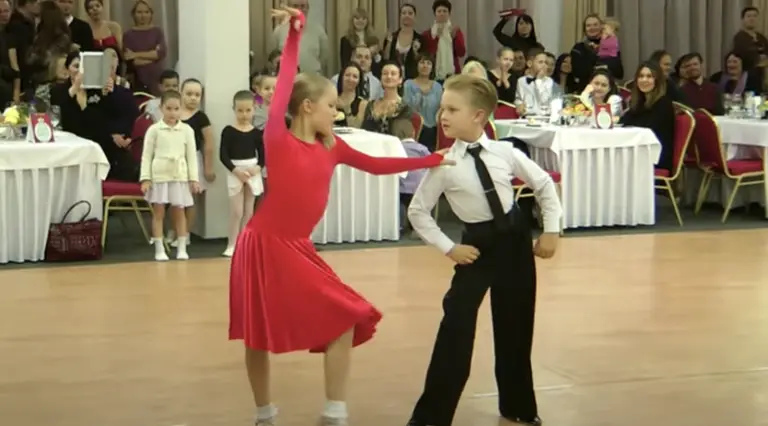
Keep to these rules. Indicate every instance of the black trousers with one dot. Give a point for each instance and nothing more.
(506, 266)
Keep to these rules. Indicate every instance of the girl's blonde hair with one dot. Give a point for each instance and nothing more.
(309, 87)
(613, 22)
(472, 66)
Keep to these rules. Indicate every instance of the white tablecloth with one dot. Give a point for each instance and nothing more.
(38, 184)
(363, 207)
(607, 175)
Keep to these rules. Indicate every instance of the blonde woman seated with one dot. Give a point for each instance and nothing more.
(477, 69)
(602, 89)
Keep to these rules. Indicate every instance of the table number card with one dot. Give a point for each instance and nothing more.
(40, 128)
(603, 116)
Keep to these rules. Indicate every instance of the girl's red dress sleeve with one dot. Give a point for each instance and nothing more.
(275, 129)
(349, 156)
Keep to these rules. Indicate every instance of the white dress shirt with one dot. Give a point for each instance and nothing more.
(462, 188)
(376, 90)
(533, 95)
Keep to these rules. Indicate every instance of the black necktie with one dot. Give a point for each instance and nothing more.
(499, 217)
(366, 92)
(530, 79)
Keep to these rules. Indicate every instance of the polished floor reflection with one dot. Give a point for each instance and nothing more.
(631, 331)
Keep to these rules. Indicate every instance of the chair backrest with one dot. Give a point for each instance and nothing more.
(140, 127)
(490, 130)
(706, 136)
(442, 140)
(684, 128)
(141, 98)
(680, 107)
(418, 123)
(505, 111)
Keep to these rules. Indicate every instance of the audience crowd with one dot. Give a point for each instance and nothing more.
(379, 82)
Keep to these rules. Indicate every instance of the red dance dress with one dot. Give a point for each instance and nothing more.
(283, 296)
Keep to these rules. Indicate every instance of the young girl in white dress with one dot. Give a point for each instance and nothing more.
(169, 173)
(242, 153)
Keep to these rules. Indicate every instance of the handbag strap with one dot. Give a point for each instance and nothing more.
(85, 216)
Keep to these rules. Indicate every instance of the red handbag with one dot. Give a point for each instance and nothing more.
(76, 241)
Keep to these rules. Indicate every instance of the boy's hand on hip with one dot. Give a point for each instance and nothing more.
(463, 254)
(546, 245)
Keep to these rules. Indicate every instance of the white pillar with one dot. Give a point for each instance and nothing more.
(213, 47)
(548, 15)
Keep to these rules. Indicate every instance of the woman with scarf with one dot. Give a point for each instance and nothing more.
(734, 79)
(444, 42)
(584, 59)
(524, 38)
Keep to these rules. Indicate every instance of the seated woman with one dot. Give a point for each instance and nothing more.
(562, 74)
(350, 101)
(602, 90)
(379, 114)
(423, 95)
(503, 77)
(104, 116)
(734, 79)
(652, 109)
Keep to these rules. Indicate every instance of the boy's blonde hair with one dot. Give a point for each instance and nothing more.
(402, 128)
(613, 23)
(309, 87)
(472, 66)
(479, 92)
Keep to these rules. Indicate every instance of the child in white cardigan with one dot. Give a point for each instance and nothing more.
(169, 173)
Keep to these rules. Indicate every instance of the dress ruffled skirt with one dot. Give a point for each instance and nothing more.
(285, 298)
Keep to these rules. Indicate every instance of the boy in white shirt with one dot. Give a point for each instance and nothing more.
(496, 253)
(536, 88)
(169, 81)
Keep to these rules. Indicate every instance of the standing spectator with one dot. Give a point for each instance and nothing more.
(82, 35)
(313, 51)
(21, 33)
(145, 48)
(444, 42)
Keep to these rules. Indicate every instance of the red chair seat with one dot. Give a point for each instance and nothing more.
(661, 173)
(556, 176)
(111, 188)
(738, 167)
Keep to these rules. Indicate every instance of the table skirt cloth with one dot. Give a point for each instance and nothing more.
(361, 206)
(607, 175)
(38, 184)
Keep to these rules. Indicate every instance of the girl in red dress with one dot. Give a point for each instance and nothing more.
(283, 296)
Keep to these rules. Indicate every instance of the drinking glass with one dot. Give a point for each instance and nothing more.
(55, 116)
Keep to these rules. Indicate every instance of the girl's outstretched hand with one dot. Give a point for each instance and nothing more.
(445, 162)
(284, 14)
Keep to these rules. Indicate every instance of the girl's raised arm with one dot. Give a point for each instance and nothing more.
(289, 63)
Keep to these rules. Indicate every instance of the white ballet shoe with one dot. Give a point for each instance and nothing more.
(182, 255)
(333, 421)
(161, 256)
(272, 421)
(229, 252)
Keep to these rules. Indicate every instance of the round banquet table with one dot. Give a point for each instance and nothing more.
(39, 182)
(362, 206)
(607, 174)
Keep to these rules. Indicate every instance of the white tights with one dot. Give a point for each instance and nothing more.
(240, 211)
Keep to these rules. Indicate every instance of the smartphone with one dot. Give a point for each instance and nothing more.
(96, 68)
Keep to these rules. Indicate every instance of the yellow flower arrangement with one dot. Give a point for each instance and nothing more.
(16, 115)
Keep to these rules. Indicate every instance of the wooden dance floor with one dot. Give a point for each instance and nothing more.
(631, 331)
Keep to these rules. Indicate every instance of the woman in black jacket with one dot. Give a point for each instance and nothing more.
(584, 57)
(403, 46)
(524, 38)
